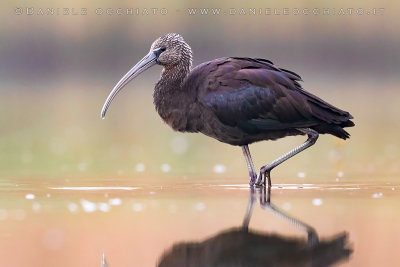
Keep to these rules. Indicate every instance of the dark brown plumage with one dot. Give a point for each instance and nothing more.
(235, 100)
(243, 100)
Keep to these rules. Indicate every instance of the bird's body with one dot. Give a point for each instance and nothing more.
(235, 100)
(244, 100)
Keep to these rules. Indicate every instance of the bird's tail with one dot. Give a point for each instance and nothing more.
(335, 129)
(333, 118)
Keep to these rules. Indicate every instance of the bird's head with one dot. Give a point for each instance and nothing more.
(173, 50)
(169, 51)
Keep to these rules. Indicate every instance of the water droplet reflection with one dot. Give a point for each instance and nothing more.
(165, 167)
(138, 207)
(317, 202)
(140, 167)
(36, 207)
(301, 174)
(115, 201)
(219, 168)
(72, 207)
(377, 195)
(30, 196)
(88, 206)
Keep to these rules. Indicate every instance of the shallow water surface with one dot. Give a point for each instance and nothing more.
(73, 223)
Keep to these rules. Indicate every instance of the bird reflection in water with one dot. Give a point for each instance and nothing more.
(241, 247)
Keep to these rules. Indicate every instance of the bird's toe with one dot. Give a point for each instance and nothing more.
(264, 176)
(260, 181)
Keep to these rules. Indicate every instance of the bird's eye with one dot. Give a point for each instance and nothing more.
(158, 51)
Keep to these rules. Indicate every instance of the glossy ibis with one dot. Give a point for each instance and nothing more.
(236, 100)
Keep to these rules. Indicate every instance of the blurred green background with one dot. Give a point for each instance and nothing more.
(56, 71)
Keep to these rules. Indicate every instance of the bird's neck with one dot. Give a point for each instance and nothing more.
(171, 99)
(172, 76)
(170, 84)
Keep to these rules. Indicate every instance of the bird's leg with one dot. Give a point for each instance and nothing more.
(266, 170)
(250, 164)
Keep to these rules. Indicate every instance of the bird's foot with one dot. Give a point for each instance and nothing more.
(253, 179)
(265, 175)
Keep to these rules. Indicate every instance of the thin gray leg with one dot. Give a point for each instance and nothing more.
(250, 164)
(266, 170)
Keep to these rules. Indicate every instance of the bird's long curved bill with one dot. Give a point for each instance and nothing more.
(145, 63)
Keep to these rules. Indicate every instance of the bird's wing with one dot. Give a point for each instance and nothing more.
(255, 95)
